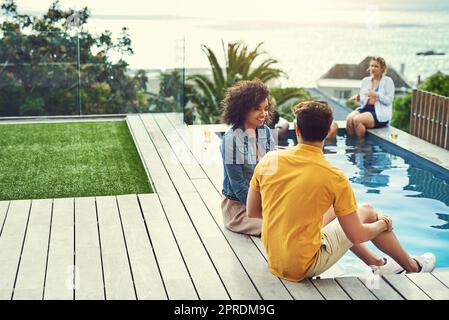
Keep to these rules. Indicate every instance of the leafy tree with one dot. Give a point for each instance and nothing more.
(39, 66)
(170, 95)
(401, 112)
(437, 83)
(286, 98)
(206, 93)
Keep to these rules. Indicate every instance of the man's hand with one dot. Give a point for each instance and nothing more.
(355, 97)
(388, 221)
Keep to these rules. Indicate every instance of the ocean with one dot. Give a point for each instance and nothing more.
(305, 47)
(307, 37)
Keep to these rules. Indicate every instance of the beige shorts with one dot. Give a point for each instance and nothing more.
(236, 219)
(334, 246)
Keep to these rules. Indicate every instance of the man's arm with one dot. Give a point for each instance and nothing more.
(358, 232)
(254, 204)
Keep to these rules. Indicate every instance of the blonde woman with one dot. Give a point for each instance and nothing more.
(376, 100)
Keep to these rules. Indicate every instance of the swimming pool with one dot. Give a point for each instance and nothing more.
(413, 191)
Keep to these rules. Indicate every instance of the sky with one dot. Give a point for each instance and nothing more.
(230, 9)
(158, 28)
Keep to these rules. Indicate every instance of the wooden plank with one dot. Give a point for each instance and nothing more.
(268, 285)
(179, 148)
(165, 156)
(442, 276)
(237, 282)
(118, 280)
(176, 277)
(303, 290)
(206, 279)
(258, 242)
(421, 132)
(176, 119)
(147, 278)
(89, 273)
(382, 290)
(406, 287)
(414, 111)
(439, 126)
(430, 116)
(417, 132)
(436, 121)
(330, 289)
(355, 288)
(204, 153)
(446, 124)
(3, 211)
(33, 264)
(428, 101)
(430, 285)
(59, 281)
(11, 241)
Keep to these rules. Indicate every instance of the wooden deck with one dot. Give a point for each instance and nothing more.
(166, 245)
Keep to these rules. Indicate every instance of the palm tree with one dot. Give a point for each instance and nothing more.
(286, 98)
(207, 93)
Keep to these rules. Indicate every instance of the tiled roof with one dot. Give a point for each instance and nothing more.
(359, 71)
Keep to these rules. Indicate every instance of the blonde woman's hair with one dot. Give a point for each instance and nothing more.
(381, 61)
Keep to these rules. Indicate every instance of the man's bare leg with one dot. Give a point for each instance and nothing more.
(360, 250)
(387, 241)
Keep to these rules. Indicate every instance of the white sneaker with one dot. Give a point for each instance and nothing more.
(426, 261)
(390, 267)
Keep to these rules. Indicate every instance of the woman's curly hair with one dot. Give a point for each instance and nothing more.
(241, 99)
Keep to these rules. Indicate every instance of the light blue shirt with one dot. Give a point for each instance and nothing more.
(384, 102)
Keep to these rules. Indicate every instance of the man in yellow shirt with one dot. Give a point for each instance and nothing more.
(296, 193)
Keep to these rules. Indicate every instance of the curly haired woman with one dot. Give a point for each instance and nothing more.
(246, 108)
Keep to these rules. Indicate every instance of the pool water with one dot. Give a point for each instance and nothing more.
(415, 196)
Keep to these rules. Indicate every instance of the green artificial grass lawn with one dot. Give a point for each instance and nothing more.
(72, 159)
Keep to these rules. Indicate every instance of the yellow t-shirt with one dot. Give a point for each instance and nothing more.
(297, 187)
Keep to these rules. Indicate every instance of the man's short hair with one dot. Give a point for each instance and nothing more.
(313, 119)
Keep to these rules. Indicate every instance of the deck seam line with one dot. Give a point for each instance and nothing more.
(166, 217)
(101, 251)
(48, 249)
(126, 247)
(152, 247)
(185, 208)
(4, 219)
(21, 250)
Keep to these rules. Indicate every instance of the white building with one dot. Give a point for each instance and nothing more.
(343, 81)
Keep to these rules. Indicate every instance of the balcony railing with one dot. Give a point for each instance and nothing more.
(429, 118)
